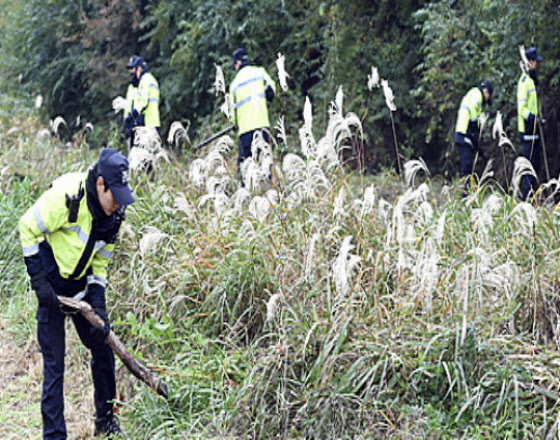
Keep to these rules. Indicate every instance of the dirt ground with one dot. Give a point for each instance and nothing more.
(21, 382)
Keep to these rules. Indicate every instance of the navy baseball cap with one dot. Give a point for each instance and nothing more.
(532, 54)
(239, 55)
(488, 86)
(135, 61)
(113, 167)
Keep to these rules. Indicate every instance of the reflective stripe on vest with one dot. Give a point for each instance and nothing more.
(247, 100)
(249, 81)
(39, 220)
(29, 251)
(528, 137)
(96, 279)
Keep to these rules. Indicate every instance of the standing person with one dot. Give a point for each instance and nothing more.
(467, 130)
(249, 94)
(142, 98)
(528, 118)
(131, 94)
(68, 237)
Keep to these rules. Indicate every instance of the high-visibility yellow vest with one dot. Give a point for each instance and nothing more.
(248, 109)
(147, 100)
(527, 101)
(469, 110)
(47, 219)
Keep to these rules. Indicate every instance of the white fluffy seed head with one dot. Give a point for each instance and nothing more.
(389, 97)
(373, 79)
(272, 306)
(282, 74)
(119, 104)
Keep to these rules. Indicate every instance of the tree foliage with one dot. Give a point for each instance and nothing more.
(73, 53)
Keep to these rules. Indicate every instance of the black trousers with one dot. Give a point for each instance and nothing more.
(51, 336)
(467, 154)
(245, 142)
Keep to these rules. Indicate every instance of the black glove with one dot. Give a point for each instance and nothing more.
(134, 113)
(43, 289)
(531, 121)
(269, 93)
(99, 334)
(473, 131)
(128, 126)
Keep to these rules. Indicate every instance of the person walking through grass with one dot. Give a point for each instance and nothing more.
(142, 99)
(249, 93)
(467, 130)
(528, 118)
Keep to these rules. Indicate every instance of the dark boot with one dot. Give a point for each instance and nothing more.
(107, 426)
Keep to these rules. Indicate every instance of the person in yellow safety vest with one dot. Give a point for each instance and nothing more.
(528, 119)
(131, 93)
(68, 237)
(467, 129)
(142, 98)
(249, 94)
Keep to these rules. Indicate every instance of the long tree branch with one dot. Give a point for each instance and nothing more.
(135, 367)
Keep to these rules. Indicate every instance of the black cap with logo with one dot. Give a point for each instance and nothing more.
(113, 167)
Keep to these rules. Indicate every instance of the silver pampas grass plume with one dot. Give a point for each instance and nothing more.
(412, 168)
(281, 129)
(498, 131)
(282, 74)
(272, 306)
(147, 149)
(258, 168)
(306, 132)
(305, 178)
(259, 207)
(212, 164)
(521, 167)
(339, 129)
(310, 256)
(38, 101)
(119, 104)
(338, 209)
(339, 101)
(150, 240)
(177, 132)
(220, 87)
(224, 108)
(389, 97)
(219, 82)
(344, 265)
(524, 63)
(525, 215)
(366, 205)
(373, 79)
(57, 123)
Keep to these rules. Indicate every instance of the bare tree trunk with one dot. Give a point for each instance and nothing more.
(135, 367)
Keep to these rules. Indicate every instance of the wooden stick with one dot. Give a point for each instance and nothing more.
(135, 367)
(214, 137)
(543, 146)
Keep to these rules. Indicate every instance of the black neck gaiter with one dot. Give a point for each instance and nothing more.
(533, 75)
(92, 199)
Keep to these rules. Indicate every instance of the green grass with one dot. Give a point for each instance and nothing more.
(439, 322)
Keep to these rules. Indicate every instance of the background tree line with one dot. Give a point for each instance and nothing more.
(74, 54)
